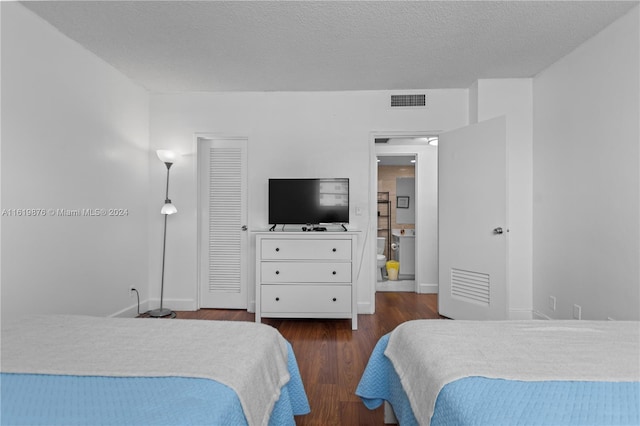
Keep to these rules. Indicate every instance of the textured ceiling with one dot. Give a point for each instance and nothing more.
(175, 46)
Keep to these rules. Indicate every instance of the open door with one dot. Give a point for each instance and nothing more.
(473, 227)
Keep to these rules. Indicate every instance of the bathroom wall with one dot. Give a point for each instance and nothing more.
(406, 213)
(387, 183)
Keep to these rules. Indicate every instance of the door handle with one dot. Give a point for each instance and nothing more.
(498, 231)
(244, 227)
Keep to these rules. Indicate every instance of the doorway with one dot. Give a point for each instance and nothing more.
(396, 223)
(424, 230)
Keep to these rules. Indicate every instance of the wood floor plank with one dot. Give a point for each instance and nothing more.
(332, 357)
(350, 360)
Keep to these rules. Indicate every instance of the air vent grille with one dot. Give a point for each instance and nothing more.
(406, 101)
(470, 286)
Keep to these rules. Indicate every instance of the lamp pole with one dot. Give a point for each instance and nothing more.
(167, 209)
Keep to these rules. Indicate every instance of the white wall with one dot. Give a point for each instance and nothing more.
(513, 98)
(586, 181)
(406, 186)
(74, 136)
(290, 134)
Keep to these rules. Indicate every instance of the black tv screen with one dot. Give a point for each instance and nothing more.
(308, 201)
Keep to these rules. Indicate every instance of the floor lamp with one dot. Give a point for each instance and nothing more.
(168, 158)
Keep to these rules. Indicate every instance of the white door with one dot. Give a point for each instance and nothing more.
(222, 174)
(472, 188)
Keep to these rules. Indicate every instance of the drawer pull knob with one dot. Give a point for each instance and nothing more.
(277, 248)
(277, 272)
(334, 250)
(334, 272)
(334, 299)
(277, 299)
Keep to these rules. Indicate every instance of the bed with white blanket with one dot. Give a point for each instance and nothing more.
(442, 372)
(81, 370)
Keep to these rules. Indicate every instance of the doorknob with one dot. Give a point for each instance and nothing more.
(498, 231)
(244, 227)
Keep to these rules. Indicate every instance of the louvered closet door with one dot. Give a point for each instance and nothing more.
(223, 218)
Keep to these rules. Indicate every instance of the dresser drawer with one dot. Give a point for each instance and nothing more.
(305, 272)
(307, 299)
(305, 249)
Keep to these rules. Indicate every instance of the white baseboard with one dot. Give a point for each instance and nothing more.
(174, 304)
(364, 308)
(540, 316)
(425, 288)
(520, 314)
(399, 285)
(146, 305)
(131, 311)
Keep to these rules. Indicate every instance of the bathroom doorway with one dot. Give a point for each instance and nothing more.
(413, 239)
(396, 223)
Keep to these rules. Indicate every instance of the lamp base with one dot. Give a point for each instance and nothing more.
(158, 313)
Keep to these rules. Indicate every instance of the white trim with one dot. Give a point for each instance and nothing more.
(366, 308)
(176, 304)
(520, 314)
(173, 304)
(425, 288)
(407, 286)
(132, 311)
(373, 195)
(540, 316)
(197, 137)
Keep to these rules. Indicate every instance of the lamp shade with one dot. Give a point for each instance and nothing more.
(167, 156)
(168, 208)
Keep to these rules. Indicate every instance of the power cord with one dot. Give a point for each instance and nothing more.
(173, 313)
(138, 296)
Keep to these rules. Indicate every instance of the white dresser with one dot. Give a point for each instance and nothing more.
(306, 275)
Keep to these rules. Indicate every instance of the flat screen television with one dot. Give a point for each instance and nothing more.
(308, 201)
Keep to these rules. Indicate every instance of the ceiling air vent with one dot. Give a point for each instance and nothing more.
(407, 101)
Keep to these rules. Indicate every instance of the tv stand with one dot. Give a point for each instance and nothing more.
(306, 275)
(319, 228)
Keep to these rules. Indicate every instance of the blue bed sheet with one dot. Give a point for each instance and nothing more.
(37, 399)
(380, 383)
(484, 401)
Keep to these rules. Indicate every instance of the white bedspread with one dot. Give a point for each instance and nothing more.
(428, 354)
(250, 358)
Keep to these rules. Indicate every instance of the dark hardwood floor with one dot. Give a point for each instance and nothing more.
(332, 357)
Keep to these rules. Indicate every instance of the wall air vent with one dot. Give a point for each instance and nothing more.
(470, 286)
(408, 101)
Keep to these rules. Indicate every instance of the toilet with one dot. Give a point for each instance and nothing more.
(381, 259)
